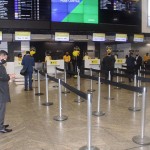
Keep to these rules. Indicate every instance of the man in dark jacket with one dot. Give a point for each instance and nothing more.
(4, 91)
(138, 62)
(108, 64)
(130, 61)
(28, 63)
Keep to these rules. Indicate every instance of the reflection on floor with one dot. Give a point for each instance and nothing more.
(34, 128)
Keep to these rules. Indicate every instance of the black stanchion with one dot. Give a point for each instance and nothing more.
(78, 100)
(39, 87)
(134, 108)
(142, 139)
(99, 112)
(109, 88)
(91, 83)
(55, 86)
(47, 103)
(89, 124)
(65, 80)
(60, 117)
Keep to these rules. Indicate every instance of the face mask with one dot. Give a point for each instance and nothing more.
(3, 61)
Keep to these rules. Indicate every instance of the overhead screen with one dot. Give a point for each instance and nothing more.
(120, 11)
(25, 9)
(77, 11)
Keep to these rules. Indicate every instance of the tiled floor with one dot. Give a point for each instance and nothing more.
(34, 128)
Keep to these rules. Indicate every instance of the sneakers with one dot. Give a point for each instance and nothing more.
(5, 130)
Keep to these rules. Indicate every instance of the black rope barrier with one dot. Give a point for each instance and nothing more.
(143, 79)
(145, 72)
(123, 75)
(86, 68)
(128, 87)
(52, 78)
(59, 69)
(80, 93)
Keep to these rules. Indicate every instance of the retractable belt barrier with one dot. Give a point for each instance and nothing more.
(140, 139)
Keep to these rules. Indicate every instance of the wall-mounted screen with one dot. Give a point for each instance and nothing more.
(22, 36)
(98, 36)
(32, 9)
(75, 11)
(121, 37)
(61, 36)
(120, 11)
(138, 38)
(25, 9)
(1, 36)
(6, 9)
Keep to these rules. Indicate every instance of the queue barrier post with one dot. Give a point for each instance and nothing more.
(98, 112)
(60, 117)
(142, 139)
(65, 80)
(34, 74)
(109, 88)
(47, 103)
(89, 124)
(91, 82)
(55, 86)
(134, 108)
(117, 79)
(121, 80)
(39, 86)
(139, 82)
(78, 100)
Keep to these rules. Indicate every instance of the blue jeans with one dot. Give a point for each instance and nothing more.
(28, 80)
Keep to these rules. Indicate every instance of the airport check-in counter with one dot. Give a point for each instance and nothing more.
(51, 64)
(119, 62)
(92, 63)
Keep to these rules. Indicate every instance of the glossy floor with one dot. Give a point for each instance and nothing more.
(34, 128)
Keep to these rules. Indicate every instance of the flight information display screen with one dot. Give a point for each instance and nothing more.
(32, 9)
(75, 11)
(6, 9)
(25, 9)
(120, 11)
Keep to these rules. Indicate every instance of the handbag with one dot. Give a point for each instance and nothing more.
(23, 71)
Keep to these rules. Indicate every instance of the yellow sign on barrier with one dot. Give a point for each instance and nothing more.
(120, 61)
(53, 62)
(94, 61)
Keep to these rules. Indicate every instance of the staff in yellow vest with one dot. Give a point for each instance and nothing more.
(67, 59)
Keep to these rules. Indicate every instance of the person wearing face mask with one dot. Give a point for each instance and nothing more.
(67, 59)
(28, 62)
(4, 91)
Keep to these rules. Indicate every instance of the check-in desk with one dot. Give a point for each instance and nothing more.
(92, 63)
(51, 64)
(19, 79)
(119, 62)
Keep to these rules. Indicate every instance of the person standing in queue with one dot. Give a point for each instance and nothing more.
(138, 62)
(4, 91)
(130, 61)
(28, 63)
(108, 63)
